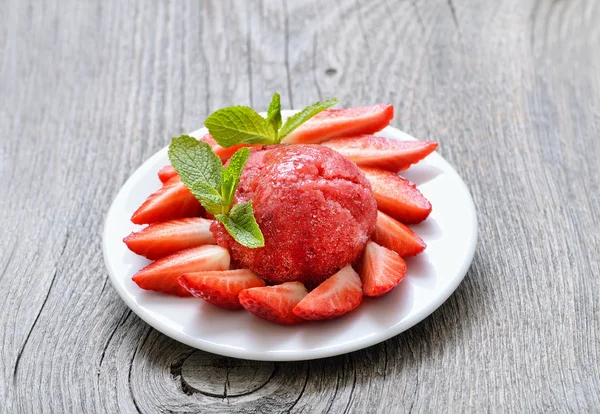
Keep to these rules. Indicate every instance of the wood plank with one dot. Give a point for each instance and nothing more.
(511, 91)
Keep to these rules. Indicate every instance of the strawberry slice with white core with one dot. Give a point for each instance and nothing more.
(166, 173)
(220, 288)
(334, 123)
(171, 201)
(162, 239)
(163, 274)
(381, 270)
(275, 303)
(380, 152)
(397, 197)
(336, 296)
(397, 236)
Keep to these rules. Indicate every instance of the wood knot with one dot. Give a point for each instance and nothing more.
(331, 72)
(218, 376)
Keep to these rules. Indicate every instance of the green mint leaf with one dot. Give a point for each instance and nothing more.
(242, 226)
(209, 197)
(195, 161)
(274, 113)
(237, 125)
(232, 174)
(304, 115)
(214, 186)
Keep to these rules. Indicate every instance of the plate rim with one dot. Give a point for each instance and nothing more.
(308, 354)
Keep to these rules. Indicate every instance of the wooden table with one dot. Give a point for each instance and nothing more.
(509, 88)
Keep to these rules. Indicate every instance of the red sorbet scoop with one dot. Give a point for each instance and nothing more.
(315, 208)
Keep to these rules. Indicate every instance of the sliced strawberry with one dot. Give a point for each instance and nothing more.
(222, 152)
(380, 152)
(397, 196)
(220, 288)
(162, 239)
(166, 173)
(336, 296)
(275, 303)
(381, 270)
(397, 236)
(172, 201)
(334, 123)
(162, 275)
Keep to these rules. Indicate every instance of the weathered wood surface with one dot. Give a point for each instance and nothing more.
(511, 90)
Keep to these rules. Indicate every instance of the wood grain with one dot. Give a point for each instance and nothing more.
(510, 89)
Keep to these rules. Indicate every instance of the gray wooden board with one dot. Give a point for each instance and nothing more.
(510, 89)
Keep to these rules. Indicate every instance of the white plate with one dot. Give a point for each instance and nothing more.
(450, 233)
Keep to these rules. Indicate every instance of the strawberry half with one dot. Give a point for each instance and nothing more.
(334, 123)
(220, 288)
(162, 275)
(397, 196)
(166, 173)
(275, 303)
(381, 270)
(336, 296)
(380, 152)
(397, 236)
(162, 239)
(171, 201)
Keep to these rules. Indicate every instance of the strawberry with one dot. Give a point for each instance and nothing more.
(162, 274)
(166, 173)
(334, 123)
(220, 288)
(380, 152)
(222, 152)
(381, 270)
(397, 196)
(274, 303)
(397, 236)
(336, 296)
(162, 239)
(172, 201)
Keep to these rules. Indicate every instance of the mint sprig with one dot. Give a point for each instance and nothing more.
(214, 186)
(242, 125)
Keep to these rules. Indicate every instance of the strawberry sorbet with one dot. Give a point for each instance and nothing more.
(315, 208)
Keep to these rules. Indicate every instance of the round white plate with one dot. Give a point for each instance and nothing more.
(450, 233)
